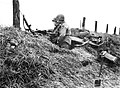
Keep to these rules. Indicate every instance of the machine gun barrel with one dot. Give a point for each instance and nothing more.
(29, 26)
(24, 19)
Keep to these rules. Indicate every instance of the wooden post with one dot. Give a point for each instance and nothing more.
(119, 31)
(83, 24)
(80, 24)
(95, 26)
(115, 31)
(107, 28)
(16, 14)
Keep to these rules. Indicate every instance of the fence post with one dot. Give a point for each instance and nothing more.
(107, 28)
(16, 14)
(115, 30)
(119, 31)
(83, 24)
(80, 24)
(95, 26)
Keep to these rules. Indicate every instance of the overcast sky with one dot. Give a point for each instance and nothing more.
(39, 13)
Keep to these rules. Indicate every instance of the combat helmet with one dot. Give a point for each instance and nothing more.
(59, 18)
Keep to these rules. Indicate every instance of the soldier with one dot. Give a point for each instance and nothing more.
(61, 29)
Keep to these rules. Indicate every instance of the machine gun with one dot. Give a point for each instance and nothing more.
(41, 32)
(44, 32)
(51, 35)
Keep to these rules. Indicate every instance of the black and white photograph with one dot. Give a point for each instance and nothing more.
(59, 44)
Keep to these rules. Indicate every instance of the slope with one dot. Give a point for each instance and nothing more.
(28, 61)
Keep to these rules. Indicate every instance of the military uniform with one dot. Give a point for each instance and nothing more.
(61, 28)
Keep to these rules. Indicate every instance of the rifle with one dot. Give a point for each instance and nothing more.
(29, 26)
